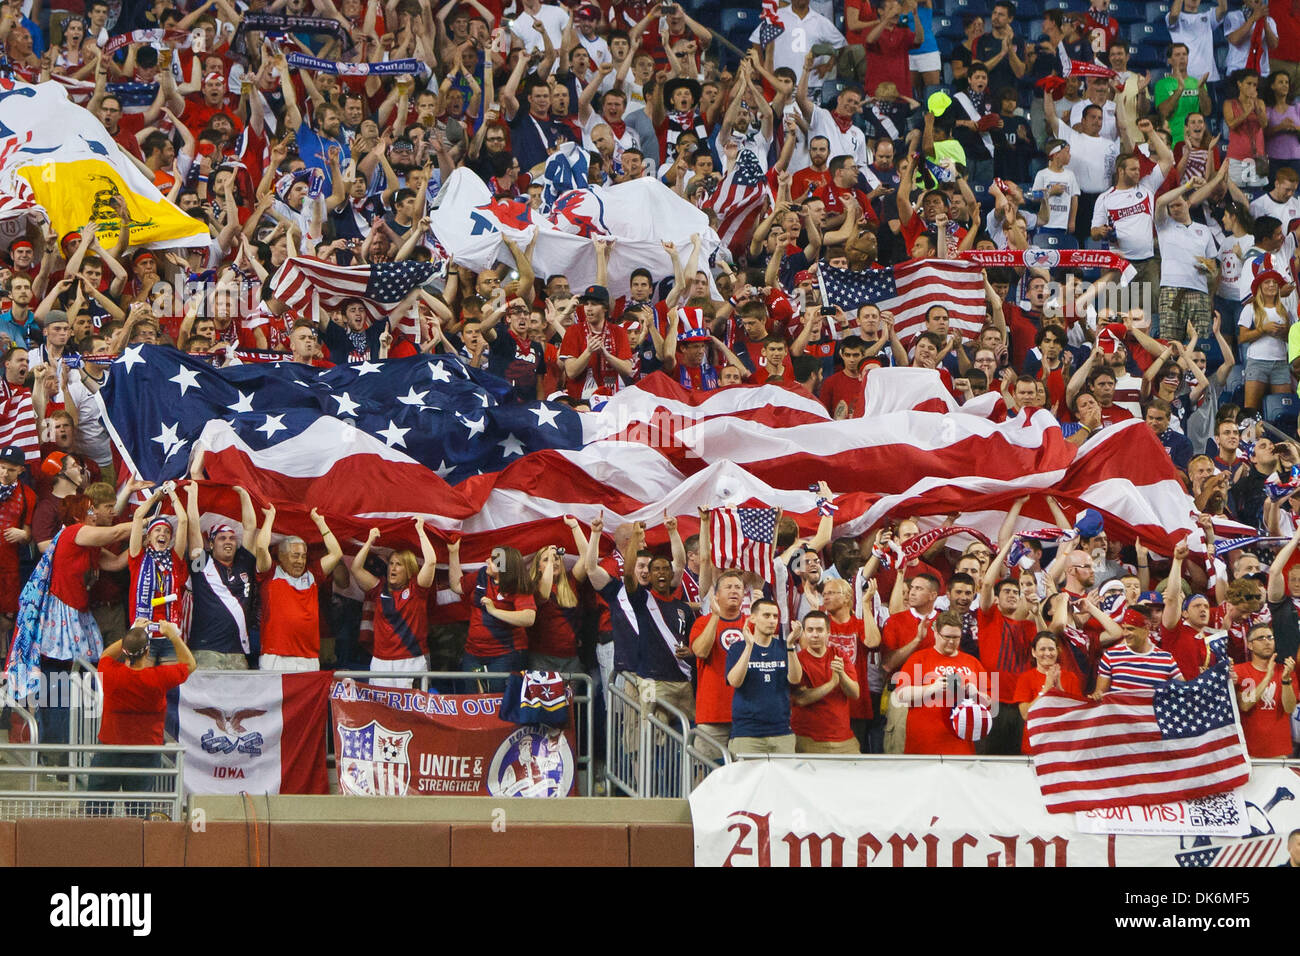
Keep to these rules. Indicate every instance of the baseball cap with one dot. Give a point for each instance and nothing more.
(53, 465)
(55, 315)
(587, 11)
(1154, 598)
(802, 275)
(12, 455)
(1089, 523)
(595, 293)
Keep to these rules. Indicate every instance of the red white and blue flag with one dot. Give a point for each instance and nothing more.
(1177, 741)
(743, 538)
(771, 26)
(911, 289)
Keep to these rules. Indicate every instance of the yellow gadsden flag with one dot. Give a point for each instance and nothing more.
(56, 156)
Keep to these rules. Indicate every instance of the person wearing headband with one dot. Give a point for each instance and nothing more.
(156, 558)
(1060, 189)
(222, 578)
(134, 692)
(1137, 664)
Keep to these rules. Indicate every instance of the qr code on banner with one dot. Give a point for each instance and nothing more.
(1218, 810)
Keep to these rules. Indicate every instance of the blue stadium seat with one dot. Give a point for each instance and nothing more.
(1157, 11)
(946, 27)
(1056, 4)
(1234, 388)
(959, 8)
(1029, 9)
(1154, 36)
(1127, 13)
(1282, 411)
(1055, 239)
(739, 22)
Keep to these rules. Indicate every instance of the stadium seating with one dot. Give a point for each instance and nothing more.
(1282, 411)
(1055, 239)
(737, 23)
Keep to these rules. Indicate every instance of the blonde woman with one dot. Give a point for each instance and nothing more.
(1264, 323)
(553, 636)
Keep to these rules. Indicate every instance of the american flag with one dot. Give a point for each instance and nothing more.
(738, 200)
(742, 538)
(770, 26)
(18, 421)
(302, 282)
(1178, 741)
(909, 290)
(1258, 851)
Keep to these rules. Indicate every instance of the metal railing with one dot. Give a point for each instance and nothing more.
(86, 710)
(651, 749)
(582, 706)
(64, 799)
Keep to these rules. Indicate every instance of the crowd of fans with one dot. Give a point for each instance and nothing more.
(876, 150)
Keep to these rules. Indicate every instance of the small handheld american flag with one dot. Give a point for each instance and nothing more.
(743, 538)
(770, 27)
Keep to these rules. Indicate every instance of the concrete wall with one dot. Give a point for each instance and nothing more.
(342, 831)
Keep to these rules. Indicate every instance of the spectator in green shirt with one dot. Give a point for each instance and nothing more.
(1178, 95)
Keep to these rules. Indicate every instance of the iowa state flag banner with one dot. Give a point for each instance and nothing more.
(254, 732)
(56, 156)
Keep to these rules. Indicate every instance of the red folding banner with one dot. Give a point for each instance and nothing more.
(396, 742)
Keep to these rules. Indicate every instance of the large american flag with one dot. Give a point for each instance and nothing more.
(18, 420)
(910, 290)
(372, 445)
(743, 538)
(1178, 741)
(302, 282)
(738, 200)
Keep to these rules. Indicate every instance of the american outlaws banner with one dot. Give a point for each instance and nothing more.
(396, 742)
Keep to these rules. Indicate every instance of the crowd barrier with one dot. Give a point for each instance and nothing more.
(58, 785)
(651, 749)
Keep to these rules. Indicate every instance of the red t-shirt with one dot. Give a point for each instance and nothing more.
(1267, 725)
(900, 630)
(598, 376)
(928, 727)
(841, 388)
(401, 621)
(712, 692)
(490, 636)
(847, 639)
(555, 632)
(1004, 648)
(833, 196)
(135, 702)
(1031, 682)
(826, 720)
(73, 570)
(290, 613)
(807, 176)
(1187, 646)
(15, 511)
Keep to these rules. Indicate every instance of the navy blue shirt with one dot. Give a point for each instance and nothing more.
(760, 706)
(647, 632)
(217, 591)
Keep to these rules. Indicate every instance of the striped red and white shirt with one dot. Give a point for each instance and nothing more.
(1134, 670)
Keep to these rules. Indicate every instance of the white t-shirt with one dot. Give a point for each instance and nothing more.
(1287, 212)
(1266, 348)
(852, 143)
(1197, 31)
(1092, 159)
(1233, 286)
(1109, 129)
(1239, 53)
(597, 49)
(554, 20)
(92, 436)
(1058, 207)
(1179, 246)
(1132, 213)
(799, 36)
